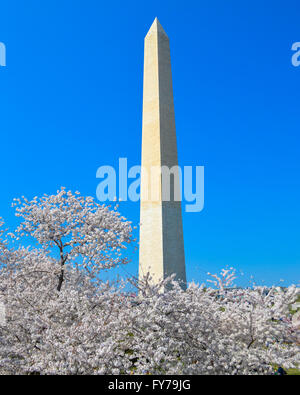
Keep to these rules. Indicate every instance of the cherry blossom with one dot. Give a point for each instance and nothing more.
(83, 325)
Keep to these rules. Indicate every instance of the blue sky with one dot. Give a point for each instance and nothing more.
(71, 101)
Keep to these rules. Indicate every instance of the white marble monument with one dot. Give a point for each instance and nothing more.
(161, 233)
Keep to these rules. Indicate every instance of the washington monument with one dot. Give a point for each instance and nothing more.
(161, 233)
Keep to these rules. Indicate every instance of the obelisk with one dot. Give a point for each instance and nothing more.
(161, 234)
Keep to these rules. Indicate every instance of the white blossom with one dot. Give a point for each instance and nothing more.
(88, 326)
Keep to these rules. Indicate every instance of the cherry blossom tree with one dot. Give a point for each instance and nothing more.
(87, 326)
(212, 331)
(79, 229)
(49, 290)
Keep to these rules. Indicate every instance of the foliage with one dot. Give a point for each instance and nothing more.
(82, 325)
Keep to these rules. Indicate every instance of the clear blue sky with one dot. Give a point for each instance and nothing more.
(71, 101)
